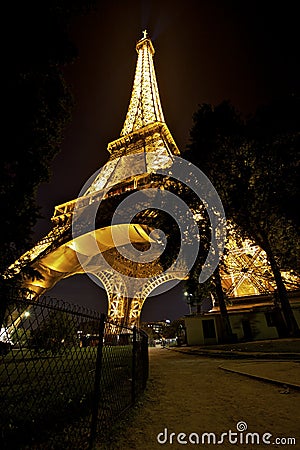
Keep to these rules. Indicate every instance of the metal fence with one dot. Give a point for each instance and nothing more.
(66, 375)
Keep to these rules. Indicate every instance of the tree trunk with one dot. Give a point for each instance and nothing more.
(229, 337)
(291, 323)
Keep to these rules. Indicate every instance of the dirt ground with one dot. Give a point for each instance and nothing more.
(191, 394)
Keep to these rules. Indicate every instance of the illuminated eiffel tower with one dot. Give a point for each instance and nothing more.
(61, 254)
(55, 256)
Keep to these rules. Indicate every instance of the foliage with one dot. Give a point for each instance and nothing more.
(37, 111)
(174, 328)
(151, 333)
(275, 130)
(249, 163)
(54, 333)
(21, 336)
(254, 166)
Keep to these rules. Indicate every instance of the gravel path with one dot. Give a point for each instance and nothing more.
(190, 394)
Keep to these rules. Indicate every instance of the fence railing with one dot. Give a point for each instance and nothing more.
(66, 374)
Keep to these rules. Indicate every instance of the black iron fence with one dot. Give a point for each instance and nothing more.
(66, 375)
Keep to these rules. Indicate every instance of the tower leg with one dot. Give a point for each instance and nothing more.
(123, 309)
(135, 311)
(116, 293)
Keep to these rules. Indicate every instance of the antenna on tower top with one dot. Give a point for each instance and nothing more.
(145, 34)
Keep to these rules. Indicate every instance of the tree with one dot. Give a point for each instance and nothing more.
(39, 106)
(211, 288)
(246, 161)
(276, 132)
(176, 330)
(54, 333)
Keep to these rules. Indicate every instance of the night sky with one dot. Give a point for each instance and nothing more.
(206, 51)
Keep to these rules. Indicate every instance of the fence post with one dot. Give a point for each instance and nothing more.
(96, 397)
(145, 358)
(133, 374)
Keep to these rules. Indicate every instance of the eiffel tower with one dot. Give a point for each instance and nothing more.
(146, 140)
(55, 256)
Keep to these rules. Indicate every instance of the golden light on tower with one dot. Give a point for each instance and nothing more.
(55, 257)
(146, 137)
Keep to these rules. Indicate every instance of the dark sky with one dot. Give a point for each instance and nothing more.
(206, 51)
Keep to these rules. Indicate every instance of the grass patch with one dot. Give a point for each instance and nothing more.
(41, 394)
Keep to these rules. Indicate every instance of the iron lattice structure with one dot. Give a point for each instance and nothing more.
(55, 256)
(146, 135)
(246, 271)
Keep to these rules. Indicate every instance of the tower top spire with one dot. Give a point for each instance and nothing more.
(144, 106)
